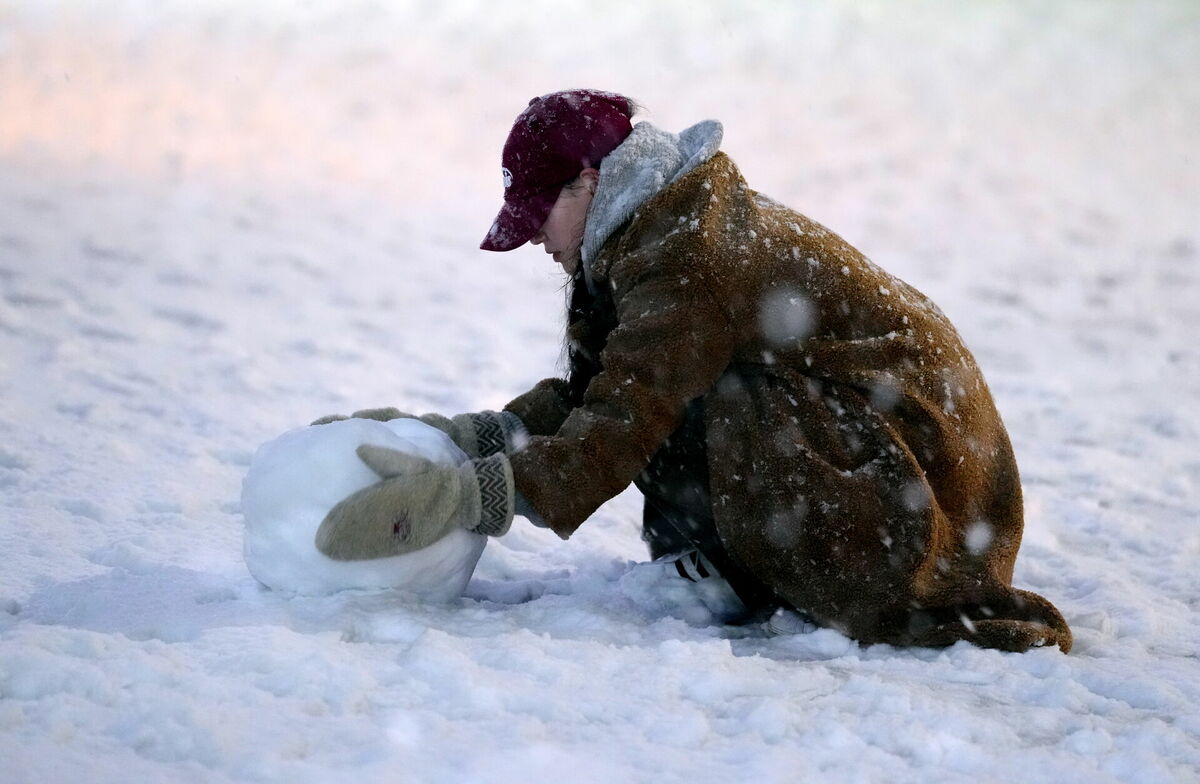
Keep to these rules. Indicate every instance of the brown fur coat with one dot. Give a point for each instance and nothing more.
(857, 463)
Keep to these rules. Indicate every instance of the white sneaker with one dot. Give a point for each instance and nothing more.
(691, 565)
(701, 598)
(785, 621)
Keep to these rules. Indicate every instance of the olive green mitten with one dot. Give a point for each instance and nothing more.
(417, 503)
(482, 433)
(378, 414)
(325, 420)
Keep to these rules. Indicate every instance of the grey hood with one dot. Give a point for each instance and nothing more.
(647, 161)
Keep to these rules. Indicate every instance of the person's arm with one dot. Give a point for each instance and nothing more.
(672, 342)
(543, 409)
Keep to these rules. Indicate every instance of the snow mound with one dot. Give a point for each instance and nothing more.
(295, 479)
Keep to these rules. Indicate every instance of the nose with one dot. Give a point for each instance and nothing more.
(538, 238)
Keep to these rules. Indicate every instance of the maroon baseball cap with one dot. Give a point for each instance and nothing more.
(556, 137)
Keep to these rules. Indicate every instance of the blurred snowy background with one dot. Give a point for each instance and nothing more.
(220, 220)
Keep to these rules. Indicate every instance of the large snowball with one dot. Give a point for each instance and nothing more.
(297, 478)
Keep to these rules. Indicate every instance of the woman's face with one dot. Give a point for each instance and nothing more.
(562, 233)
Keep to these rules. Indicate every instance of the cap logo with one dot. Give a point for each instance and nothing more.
(504, 172)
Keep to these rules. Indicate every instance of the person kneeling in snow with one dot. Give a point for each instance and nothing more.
(800, 422)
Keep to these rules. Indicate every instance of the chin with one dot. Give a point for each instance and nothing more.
(571, 263)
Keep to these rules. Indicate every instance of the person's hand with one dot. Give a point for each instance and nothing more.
(479, 434)
(378, 414)
(416, 504)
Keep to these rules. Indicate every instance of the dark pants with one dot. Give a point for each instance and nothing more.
(678, 516)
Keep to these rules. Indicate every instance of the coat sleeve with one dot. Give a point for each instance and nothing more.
(670, 345)
(543, 408)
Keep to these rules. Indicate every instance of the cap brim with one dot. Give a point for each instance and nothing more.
(518, 221)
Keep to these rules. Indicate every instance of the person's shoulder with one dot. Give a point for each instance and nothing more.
(717, 171)
(711, 186)
(684, 226)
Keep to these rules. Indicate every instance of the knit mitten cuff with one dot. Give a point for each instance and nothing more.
(488, 433)
(496, 495)
(515, 435)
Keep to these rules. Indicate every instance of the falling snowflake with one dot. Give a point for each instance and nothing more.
(978, 537)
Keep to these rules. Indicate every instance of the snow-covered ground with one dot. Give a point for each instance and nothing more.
(220, 220)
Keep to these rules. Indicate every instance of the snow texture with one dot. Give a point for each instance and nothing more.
(220, 220)
(295, 479)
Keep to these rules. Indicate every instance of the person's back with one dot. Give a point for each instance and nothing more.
(856, 466)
